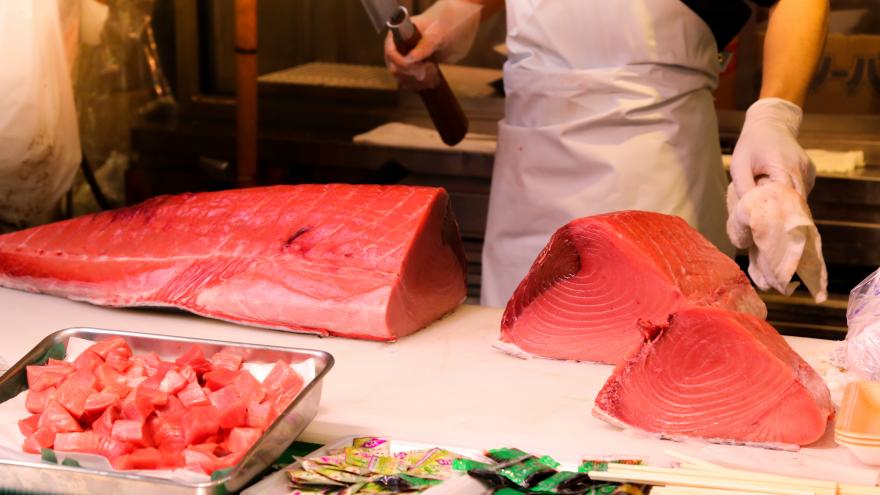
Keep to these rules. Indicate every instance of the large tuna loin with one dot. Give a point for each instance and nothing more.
(717, 375)
(599, 276)
(374, 262)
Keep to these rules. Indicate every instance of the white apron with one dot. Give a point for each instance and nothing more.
(608, 107)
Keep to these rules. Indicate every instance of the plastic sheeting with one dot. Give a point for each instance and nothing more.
(39, 140)
(118, 80)
(863, 333)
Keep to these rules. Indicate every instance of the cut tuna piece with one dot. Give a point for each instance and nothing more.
(56, 418)
(717, 375)
(92, 443)
(104, 424)
(88, 360)
(373, 262)
(241, 439)
(194, 357)
(41, 438)
(147, 458)
(42, 377)
(27, 425)
(96, 404)
(127, 430)
(598, 276)
(226, 360)
(193, 395)
(36, 401)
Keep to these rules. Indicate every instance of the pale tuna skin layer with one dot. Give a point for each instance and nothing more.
(717, 375)
(599, 276)
(372, 262)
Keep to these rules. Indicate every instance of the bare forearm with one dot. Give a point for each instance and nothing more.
(794, 42)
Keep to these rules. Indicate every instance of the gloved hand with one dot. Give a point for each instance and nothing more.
(448, 30)
(768, 147)
(774, 223)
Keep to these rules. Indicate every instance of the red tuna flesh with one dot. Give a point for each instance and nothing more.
(717, 375)
(373, 262)
(598, 276)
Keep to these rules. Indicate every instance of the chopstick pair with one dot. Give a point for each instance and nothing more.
(700, 477)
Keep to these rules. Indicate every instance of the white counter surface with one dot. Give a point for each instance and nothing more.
(445, 385)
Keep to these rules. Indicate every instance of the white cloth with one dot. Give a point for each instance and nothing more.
(774, 223)
(608, 107)
(39, 136)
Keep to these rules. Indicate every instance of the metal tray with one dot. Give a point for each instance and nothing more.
(49, 478)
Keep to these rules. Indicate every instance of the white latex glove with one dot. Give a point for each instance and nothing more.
(768, 147)
(774, 223)
(448, 30)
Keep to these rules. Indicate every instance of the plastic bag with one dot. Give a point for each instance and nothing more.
(119, 80)
(39, 138)
(863, 328)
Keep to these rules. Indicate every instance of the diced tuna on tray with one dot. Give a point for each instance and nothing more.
(718, 375)
(372, 262)
(599, 276)
(141, 412)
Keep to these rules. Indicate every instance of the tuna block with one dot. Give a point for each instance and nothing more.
(372, 262)
(717, 375)
(599, 276)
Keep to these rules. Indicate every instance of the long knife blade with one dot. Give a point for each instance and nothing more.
(381, 11)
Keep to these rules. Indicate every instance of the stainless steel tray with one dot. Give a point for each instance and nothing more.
(49, 478)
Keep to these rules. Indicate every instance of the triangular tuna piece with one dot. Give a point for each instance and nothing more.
(599, 275)
(374, 262)
(721, 376)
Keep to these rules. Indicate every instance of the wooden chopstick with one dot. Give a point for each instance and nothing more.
(700, 475)
(817, 486)
(694, 463)
(701, 481)
(686, 490)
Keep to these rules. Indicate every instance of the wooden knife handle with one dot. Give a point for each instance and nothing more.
(442, 105)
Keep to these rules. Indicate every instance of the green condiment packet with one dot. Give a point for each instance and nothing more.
(465, 464)
(527, 473)
(588, 465)
(506, 455)
(565, 482)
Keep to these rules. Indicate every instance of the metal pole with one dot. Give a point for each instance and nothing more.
(246, 91)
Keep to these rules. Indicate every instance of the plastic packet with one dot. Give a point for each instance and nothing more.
(863, 328)
(118, 81)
